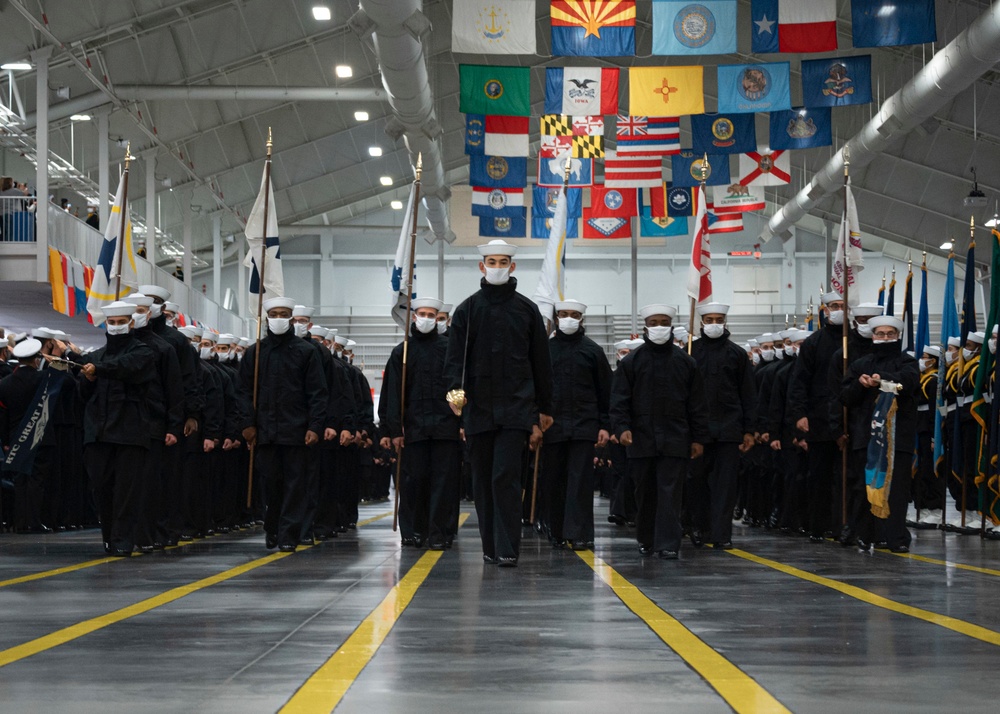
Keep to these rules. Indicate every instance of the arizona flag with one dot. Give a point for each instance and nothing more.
(699, 284)
(581, 91)
(102, 290)
(793, 25)
(593, 28)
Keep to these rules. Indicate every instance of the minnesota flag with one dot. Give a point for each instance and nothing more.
(593, 28)
(665, 91)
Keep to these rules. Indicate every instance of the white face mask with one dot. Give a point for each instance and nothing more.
(790, 350)
(140, 319)
(923, 364)
(278, 325)
(155, 310)
(886, 342)
(950, 357)
(779, 353)
(301, 329)
(865, 331)
(659, 335)
(118, 329)
(767, 355)
(225, 356)
(755, 357)
(713, 332)
(497, 276)
(425, 325)
(442, 327)
(967, 353)
(205, 352)
(992, 345)
(568, 325)
(836, 317)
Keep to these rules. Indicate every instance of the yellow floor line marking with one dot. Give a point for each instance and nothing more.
(960, 626)
(102, 561)
(948, 563)
(323, 691)
(739, 689)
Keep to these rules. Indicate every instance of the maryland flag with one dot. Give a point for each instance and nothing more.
(986, 414)
(578, 147)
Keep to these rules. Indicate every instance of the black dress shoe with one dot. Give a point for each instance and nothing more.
(145, 548)
(120, 553)
(270, 541)
(815, 539)
(489, 559)
(307, 541)
(667, 554)
(222, 529)
(341, 529)
(582, 544)
(437, 546)
(352, 526)
(558, 544)
(509, 561)
(845, 538)
(287, 548)
(172, 542)
(901, 549)
(645, 551)
(727, 545)
(696, 538)
(410, 542)
(616, 520)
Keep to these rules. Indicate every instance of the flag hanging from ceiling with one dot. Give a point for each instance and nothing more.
(686, 169)
(849, 259)
(737, 198)
(593, 28)
(550, 172)
(765, 168)
(496, 135)
(492, 28)
(837, 82)
(403, 265)
(648, 135)
(610, 213)
(503, 227)
(723, 222)
(885, 23)
(652, 222)
(763, 87)
(498, 171)
(489, 89)
(699, 283)
(102, 289)
(581, 91)
(497, 202)
(544, 202)
(655, 199)
(666, 91)
(723, 133)
(793, 26)
(565, 125)
(632, 170)
(801, 128)
(475, 134)
(681, 27)
(580, 147)
(681, 200)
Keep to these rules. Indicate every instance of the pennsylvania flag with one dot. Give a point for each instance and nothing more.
(487, 89)
(801, 129)
(667, 91)
(723, 133)
(593, 28)
(881, 23)
(681, 27)
(837, 82)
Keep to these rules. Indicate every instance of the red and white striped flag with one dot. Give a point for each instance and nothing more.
(632, 171)
(648, 135)
(700, 272)
(723, 222)
(506, 136)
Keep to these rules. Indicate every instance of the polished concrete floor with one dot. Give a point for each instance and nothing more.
(802, 627)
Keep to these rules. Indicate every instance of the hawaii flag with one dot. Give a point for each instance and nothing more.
(699, 285)
(102, 290)
(648, 135)
(491, 28)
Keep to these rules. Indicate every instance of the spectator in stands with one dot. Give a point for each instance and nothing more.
(93, 219)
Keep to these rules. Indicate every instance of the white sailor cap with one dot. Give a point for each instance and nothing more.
(636, 344)
(212, 337)
(447, 308)
(766, 337)
(933, 351)
(340, 340)
(753, 342)
(680, 333)
(799, 335)
(657, 309)
(226, 339)
(787, 334)
(746, 347)
(954, 341)
(829, 297)
(118, 308)
(430, 302)
(575, 305)
(60, 335)
(622, 344)
(351, 344)
(867, 309)
(42, 333)
(155, 291)
(498, 247)
(886, 321)
(303, 311)
(171, 306)
(977, 337)
(712, 308)
(243, 342)
(189, 331)
(139, 299)
(27, 348)
(274, 302)
(331, 333)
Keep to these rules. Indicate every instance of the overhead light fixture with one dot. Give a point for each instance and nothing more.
(946, 245)
(16, 66)
(976, 198)
(80, 117)
(321, 13)
(993, 222)
(361, 116)
(374, 150)
(344, 71)
(396, 205)
(385, 180)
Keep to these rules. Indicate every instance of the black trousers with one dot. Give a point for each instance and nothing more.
(150, 487)
(312, 476)
(824, 457)
(795, 503)
(325, 524)
(659, 496)
(115, 472)
(713, 490)
(497, 459)
(429, 493)
(285, 470)
(30, 490)
(894, 527)
(927, 495)
(348, 474)
(568, 469)
(622, 503)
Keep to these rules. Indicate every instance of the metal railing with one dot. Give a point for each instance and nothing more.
(17, 222)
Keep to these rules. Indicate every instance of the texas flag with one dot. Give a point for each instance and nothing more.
(581, 90)
(793, 25)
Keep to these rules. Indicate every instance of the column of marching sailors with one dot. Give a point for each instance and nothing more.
(150, 436)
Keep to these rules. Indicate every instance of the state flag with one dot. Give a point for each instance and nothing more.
(765, 168)
(489, 89)
(610, 213)
(738, 198)
(793, 26)
(565, 125)
(881, 23)
(491, 28)
(666, 91)
(503, 227)
(494, 202)
(681, 27)
(550, 172)
(681, 200)
(541, 226)
(648, 135)
(580, 147)
(506, 136)
(593, 28)
(655, 220)
(498, 171)
(632, 170)
(581, 91)
(686, 169)
(723, 222)
(544, 198)
(723, 133)
(837, 82)
(655, 199)
(801, 129)
(747, 88)
(475, 134)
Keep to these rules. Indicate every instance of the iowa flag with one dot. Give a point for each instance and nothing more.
(107, 270)
(665, 91)
(593, 28)
(581, 91)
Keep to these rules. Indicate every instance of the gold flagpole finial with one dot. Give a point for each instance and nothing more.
(847, 157)
(420, 165)
(704, 170)
(270, 141)
(923, 260)
(128, 153)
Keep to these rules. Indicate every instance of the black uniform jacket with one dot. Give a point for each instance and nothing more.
(658, 395)
(428, 415)
(291, 394)
(166, 395)
(340, 406)
(581, 388)
(890, 364)
(730, 391)
(809, 392)
(508, 375)
(186, 360)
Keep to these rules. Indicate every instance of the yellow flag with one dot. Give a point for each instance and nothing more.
(665, 91)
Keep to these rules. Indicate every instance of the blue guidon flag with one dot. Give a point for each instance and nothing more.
(881, 451)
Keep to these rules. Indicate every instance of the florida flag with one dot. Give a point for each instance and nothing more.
(793, 25)
(699, 285)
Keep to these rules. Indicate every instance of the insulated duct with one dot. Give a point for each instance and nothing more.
(951, 70)
(397, 29)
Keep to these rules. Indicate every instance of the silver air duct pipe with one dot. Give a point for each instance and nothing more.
(951, 70)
